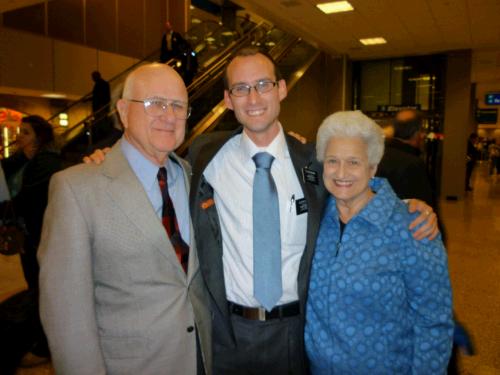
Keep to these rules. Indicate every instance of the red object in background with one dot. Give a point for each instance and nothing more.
(10, 117)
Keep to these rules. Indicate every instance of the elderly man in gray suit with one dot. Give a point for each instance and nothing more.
(121, 292)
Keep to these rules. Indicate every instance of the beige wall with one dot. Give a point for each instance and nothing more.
(32, 65)
(458, 123)
(316, 95)
(129, 27)
(44, 65)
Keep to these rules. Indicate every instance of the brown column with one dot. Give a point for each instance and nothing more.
(457, 123)
(178, 14)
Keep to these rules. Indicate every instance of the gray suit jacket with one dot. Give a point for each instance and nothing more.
(114, 298)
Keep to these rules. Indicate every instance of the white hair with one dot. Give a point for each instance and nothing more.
(351, 124)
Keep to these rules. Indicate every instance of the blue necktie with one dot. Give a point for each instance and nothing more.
(266, 234)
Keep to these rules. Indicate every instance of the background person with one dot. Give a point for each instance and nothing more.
(172, 43)
(29, 171)
(379, 301)
(473, 155)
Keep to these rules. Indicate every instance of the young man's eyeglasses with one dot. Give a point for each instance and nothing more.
(244, 89)
(157, 107)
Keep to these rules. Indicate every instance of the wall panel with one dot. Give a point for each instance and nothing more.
(155, 18)
(66, 20)
(130, 27)
(28, 19)
(100, 24)
(74, 64)
(26, 60)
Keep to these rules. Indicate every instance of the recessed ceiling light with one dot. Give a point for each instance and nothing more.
(373, 41)
(335, 7)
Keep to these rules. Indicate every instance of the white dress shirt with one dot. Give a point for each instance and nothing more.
(231, 173)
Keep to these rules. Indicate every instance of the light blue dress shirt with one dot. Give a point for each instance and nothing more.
(146, 171)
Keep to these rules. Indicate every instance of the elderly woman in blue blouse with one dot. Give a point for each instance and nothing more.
(379, 300)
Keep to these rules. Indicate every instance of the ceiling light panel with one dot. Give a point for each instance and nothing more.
(373, 41)
(335, 7)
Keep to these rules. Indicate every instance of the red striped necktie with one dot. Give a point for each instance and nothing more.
(170, 223)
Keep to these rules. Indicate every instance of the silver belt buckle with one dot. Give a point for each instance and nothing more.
(262, 314)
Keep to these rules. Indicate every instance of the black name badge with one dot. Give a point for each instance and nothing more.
(310, 176)
(301, 206)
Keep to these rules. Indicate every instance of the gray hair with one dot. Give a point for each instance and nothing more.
(351, 124)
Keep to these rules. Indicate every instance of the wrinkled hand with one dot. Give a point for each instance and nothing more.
(428, 217)
(298, 137)
(97, 157)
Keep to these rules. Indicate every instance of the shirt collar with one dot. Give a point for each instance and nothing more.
(145, 170)
(277, 148)
(379, 208)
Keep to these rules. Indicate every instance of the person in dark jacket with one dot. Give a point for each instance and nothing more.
(101, 94)
(172, 43)
(37, 160)
(402, 164)
(473, 155)
(101, 104)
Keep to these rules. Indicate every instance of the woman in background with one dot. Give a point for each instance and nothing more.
(28, 172)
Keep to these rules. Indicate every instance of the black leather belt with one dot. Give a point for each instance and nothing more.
(259, 313)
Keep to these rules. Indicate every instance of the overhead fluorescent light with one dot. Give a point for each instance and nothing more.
(53, 95)
(335, 7)
(373, 41)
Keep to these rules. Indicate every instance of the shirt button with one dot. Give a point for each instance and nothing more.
(190, 329)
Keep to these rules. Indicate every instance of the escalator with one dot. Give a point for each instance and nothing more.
(206, 92)
(213, 47)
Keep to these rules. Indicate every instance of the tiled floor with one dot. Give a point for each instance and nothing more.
(473, 227)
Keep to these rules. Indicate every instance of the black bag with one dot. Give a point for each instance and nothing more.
(11, 231)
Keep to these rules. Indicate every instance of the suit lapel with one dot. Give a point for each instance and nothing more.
(210, 257)
(303, 157)
(127, 192)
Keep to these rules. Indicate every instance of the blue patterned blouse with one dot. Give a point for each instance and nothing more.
(379, 301)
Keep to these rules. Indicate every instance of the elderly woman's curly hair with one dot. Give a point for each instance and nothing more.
(351, 124)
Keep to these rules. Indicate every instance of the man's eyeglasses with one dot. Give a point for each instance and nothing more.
(158, 107)
(244, 89)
